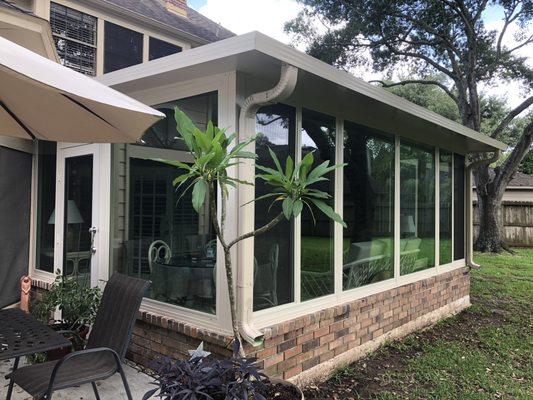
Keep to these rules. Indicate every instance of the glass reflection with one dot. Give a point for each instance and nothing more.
(368, 241)
(318, 136)
(417, 208)
(445, 199)
(273, 251)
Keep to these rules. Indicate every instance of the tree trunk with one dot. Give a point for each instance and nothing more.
(491, 233)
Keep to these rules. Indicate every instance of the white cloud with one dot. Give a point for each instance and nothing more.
(242, 16)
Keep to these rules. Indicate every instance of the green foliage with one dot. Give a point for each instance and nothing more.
(527, 164)
(213, 156)
(77, 302)
(292, 186)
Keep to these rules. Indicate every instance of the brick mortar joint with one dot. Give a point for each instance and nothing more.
(280, 329)
(185, 328)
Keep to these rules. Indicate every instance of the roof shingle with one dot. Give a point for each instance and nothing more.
(194, 24)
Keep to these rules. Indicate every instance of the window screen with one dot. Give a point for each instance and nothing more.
(74, 35)
(160, 48)
(123, 47)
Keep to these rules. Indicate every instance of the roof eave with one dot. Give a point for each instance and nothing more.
(255, 41)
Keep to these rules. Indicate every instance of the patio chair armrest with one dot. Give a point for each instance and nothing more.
(76, 354)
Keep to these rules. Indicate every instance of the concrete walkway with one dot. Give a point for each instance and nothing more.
(110, 389)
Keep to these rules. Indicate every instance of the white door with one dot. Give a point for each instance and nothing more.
(77, 233)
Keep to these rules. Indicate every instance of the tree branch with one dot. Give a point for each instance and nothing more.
(417, 81)
(258, 231)
(512, 114)
(505, 173)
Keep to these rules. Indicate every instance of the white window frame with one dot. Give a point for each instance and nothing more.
(297, 308)
(225, 86)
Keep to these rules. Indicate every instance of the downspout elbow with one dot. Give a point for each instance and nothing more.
(283, 89)
(470, 167)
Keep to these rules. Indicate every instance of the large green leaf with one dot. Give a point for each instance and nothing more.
(328, 211)
(185, 128)
(287, 207)
(198, 194)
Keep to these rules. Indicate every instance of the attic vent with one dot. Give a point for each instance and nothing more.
(177, 6)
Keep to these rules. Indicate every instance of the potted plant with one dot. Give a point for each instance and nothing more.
(77, 304)
(204, 377)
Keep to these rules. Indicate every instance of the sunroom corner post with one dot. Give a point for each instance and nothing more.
(246, 220)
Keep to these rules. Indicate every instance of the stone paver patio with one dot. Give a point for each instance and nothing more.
(110, 389)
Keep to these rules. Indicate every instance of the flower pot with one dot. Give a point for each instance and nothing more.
(285, 389)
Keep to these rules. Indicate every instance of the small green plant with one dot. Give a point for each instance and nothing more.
(213, 153)
(78, 304)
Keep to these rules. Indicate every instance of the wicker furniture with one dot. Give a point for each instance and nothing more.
(105, 349)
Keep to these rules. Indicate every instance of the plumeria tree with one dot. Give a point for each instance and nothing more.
(214, 152)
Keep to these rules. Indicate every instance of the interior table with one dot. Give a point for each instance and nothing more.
(22, 335)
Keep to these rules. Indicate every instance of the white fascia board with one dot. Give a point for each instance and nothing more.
(229, 49)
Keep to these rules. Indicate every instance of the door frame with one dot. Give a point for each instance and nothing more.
(101, 154)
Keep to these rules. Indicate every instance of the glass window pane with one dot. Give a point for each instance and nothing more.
(123, 47)
(417, 208)
(159, 48)
(163, 134)
(318, 136)
(273, 251)
(459, 206)
(368, 242)
(74, 35)
(78, 217)
(166, 240)
(46, 203)
(445, 197)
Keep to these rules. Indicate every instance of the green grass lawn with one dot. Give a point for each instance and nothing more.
(483, 353)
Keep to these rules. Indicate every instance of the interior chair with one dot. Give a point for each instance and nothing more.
(105, 350)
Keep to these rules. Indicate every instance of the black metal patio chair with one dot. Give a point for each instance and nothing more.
(105, 350)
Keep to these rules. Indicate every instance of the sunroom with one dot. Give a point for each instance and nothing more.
(309, 292)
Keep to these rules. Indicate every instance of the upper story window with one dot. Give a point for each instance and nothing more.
(159, 48)
(122, 48)
(74, 35)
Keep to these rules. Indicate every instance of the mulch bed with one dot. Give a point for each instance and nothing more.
(366, 378)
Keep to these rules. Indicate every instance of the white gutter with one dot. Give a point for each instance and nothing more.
(470, 210)
(249, 108)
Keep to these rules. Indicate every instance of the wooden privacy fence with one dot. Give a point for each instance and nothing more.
(517, 221)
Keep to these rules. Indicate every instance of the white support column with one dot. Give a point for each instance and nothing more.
(338, 203)
(297, 229)
(437, 207)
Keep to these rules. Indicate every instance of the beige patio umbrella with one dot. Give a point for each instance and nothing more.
(40, 99)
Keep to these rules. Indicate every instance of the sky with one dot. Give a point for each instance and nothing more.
(269, 17)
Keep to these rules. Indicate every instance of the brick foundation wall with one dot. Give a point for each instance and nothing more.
(298, 345)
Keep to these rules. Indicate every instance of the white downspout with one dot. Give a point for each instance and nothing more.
(245, 264)
(470, 209)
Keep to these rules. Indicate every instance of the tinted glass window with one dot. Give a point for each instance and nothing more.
(459, 207)
(123, 47)
(417, 208)
(160, 48)
(445, 198)
(318, 136)
(46, 204)
(368, 241)
(273, 257)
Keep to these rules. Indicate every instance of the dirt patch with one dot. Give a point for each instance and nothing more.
(370, 376)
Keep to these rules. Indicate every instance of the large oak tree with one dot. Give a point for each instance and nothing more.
(430, 38)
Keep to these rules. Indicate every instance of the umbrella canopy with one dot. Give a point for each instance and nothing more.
(40, 99)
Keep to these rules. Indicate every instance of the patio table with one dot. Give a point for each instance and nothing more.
(22, 335)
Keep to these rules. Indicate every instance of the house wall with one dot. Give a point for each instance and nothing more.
(41, 8)
(310, 347)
